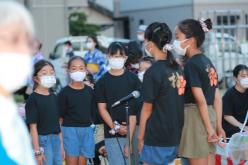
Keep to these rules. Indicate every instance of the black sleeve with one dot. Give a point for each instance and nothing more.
(31, 110)
(62, 103)
(96, 119)
(100, 91)
(192, 75)
(136, 102)
(150, 89)
(227, 105)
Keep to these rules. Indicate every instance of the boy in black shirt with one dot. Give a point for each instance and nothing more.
(114, 85)
(235, 102)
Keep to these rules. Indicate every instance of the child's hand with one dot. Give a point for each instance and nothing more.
(123, 130)
(140, 144)
(212, 136)
(40, 159)
(126, 150)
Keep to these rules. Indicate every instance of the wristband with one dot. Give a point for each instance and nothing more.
(116, 128)
(39, 152)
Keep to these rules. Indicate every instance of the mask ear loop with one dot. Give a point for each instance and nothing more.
(184, 41)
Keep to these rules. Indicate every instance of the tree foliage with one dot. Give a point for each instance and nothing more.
(79, 27)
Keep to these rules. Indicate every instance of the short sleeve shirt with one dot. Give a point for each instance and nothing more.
(200, 72)
(163, 87)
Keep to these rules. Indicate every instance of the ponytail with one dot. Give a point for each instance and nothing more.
(161, 35)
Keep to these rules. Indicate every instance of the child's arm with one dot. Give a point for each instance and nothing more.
(132, 125)
(145, 114)
(218, 110)
(105, 115)
(35, 141)
(35, 137)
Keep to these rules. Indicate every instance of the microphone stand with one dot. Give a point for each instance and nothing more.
(128, 143)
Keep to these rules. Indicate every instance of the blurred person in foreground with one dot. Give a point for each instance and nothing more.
(16, 30)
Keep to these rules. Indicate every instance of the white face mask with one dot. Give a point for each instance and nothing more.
(47, 81)
(78, 76)
(141, 75)
(116, 63)
(148, 53)
(178, 49)
(244, 82)
(140, 37)
(14, 70)
(136, 66)
(89, 45)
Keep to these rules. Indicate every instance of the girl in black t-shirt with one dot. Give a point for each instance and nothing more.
(42, 116)
(203, 113)
(161, 118)
(76, 103)
(115, 84)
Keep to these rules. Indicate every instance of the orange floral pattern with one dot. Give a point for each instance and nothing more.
(213, 78)
(178, 81)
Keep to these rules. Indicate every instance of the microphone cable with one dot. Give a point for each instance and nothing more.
(117, 139)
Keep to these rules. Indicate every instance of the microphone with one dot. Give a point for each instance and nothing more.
(134, 94)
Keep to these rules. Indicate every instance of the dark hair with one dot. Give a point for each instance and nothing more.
(89, 77)
(37, 67)
(239, 68)
(160, 34)
(134, 52)
(196, 29)
(94, 38)
(75, 58)
(114, 47)
(148, 60)
(68, 43)
(39, 43)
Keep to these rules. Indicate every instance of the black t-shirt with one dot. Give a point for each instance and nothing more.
(200, 72)
(110, 89)
(76, 106)
(163, 86)
(43, 110)
(234, 104)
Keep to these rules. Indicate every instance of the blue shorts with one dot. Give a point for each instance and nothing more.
(115, 153)
(158, 155)
(79, 141)
(52, 149)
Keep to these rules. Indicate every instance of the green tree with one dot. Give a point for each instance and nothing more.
(79, 27)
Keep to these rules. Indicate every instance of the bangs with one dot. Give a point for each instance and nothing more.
(116, 47)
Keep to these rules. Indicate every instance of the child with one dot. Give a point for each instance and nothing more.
(203, 113)
(76, 106)
(114, 85)
(144, 64)
(42, 116)
(161, 118)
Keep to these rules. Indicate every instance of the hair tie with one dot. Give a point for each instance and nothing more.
(167, 47)
(204, 25)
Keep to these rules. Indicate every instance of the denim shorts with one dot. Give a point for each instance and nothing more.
(115, 153)
(52, 149)
(79, 141)
(154, 155)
